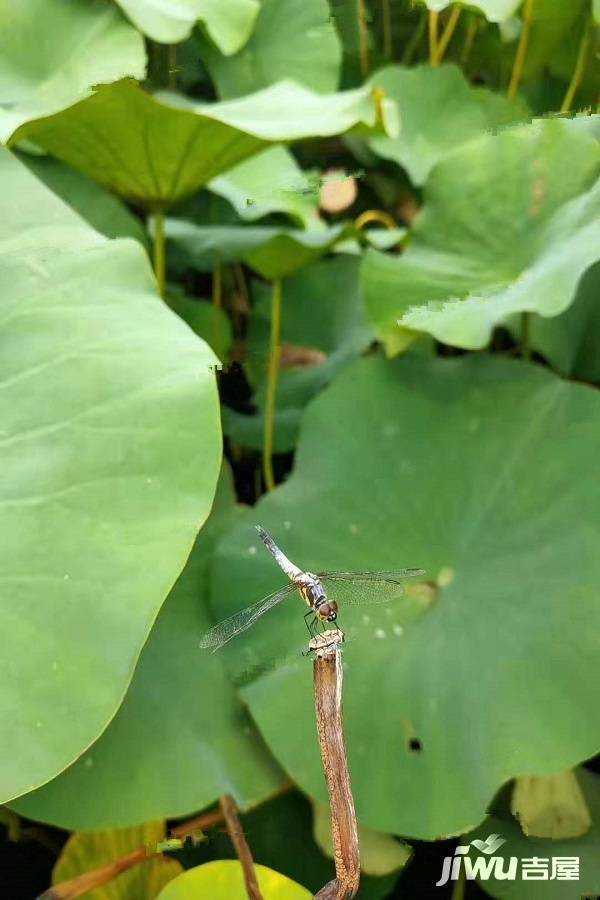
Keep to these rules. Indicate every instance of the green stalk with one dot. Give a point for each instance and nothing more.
(433, 21)
(153, 62)
(458, 891)
(272, 375)
(415, 40)
(579, 68)
(470, 34)
(159, 250)
(172, 67)
(217, 303)
(526, 335)
(363, 37)
(517, 71)
(387, 28)
(448, 32)
(375, 215)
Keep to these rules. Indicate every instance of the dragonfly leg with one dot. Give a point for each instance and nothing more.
(314, 626)
(310, 627)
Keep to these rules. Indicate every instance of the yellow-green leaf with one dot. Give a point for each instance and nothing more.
(87, 850)
(551, 806)
(224, 880)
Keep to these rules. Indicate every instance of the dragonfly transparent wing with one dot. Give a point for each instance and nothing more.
(223, 632)
(366, 588)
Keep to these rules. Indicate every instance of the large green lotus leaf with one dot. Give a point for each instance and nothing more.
(588, 123)
(281, 835)
(270, 182)
(585, 849)
(291, 39)
(110, 452)
(272, 251)
(571, 341)
(510, 224)
(493, 10)
(344, 16)
(181, 737)
(88, 850)
(53, 51)
(228, 24)
(94, 203)
(439, 112)
(323, 327)
(155, 151)
(224, 880)
(451, 465)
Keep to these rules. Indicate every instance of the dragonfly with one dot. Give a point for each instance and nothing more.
(318, 591)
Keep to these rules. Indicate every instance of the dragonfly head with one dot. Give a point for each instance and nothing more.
(328, 611)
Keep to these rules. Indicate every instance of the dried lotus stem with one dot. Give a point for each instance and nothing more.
(328, 680)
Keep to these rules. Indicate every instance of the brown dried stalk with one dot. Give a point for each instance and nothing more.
(328, 678)
(238, 839)
(198, 823)
(88, 881)
(95, 878)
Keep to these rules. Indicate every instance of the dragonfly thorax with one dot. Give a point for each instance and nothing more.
(315, 596)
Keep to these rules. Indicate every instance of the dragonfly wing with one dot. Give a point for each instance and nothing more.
(224, 631)
(393, 576)
(366, 588)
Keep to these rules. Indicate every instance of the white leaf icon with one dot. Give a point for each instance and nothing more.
(490, 845)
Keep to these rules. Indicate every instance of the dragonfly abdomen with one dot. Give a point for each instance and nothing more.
(280, 558)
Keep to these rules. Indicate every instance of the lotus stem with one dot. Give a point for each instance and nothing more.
(417, 35)
(517, 71)
(458, 892)
(159, 250)
(172, 67)
(448, 33)
(328, 682)
(526, 335)
(433, 22)
(95, 878)
(272, 376)
(363, 37)
(82, 884)
(217, 304)
(579, 69)
(375, 215)
(238, 839)
(386, 15)
(471, 32)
